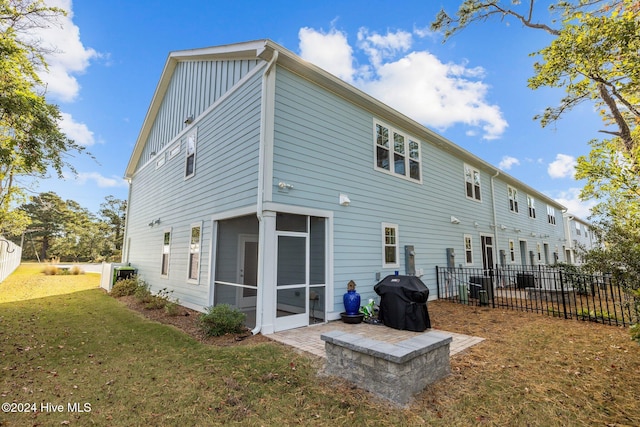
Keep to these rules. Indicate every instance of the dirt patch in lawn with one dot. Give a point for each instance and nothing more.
(187, 321)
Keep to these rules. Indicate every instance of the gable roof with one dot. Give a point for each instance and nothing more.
(264, 50)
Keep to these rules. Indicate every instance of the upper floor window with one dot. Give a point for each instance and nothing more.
(397, 152)
(577, 229)
(472, 180)
(513, 199)
(190, 164)
(390, 245)
(531, 203)
(551, 215)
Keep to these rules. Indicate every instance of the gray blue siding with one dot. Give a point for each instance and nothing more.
(226, 176)
(324, 146)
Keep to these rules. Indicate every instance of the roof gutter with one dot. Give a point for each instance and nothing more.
(261, 184)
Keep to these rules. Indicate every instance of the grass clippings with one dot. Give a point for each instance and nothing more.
(88, 347)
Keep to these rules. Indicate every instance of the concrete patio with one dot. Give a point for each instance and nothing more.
(307, 339)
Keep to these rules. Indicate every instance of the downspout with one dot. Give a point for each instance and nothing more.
(495, 217)
(260, 201)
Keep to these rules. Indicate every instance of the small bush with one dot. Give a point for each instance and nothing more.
(172, 308)
(222, 319)
(143, 293)
(125, 287)
(75, 270)
(159, 300)
(51, 270)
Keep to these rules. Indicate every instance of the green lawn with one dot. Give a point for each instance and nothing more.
(83, 348)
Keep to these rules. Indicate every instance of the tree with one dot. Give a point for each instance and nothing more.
(31, 141)
(113, 213)
(595, 57)
(48, 214)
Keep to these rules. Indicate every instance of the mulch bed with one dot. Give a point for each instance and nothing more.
(187, 321)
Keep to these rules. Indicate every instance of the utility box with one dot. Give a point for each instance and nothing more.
(409, 260)
(451, 258)
(123, 272)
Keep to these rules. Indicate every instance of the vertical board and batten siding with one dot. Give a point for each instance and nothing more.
(324, 146)
(226, 176)
(194, 87)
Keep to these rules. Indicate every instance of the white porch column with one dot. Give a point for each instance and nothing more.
(268, 270)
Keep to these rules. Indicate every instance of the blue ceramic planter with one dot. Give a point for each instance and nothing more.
(351, 302)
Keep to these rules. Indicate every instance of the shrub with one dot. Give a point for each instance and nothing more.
(125, 287)
(143, 293)
(51, 270)
(157, 301)
(172, 308)
(75, 270)
(222, 319)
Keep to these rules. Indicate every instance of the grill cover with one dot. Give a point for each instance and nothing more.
(403, 303)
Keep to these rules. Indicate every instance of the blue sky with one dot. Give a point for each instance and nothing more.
(472, 90)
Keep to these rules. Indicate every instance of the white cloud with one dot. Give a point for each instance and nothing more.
(66, 57)
(508, 162)
(563, 166)
(101, 181)
(330, 51)
(570, 199)
(79, 132)
(416, 83)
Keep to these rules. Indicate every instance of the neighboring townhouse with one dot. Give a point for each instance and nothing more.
(262, 181)
(579, 237)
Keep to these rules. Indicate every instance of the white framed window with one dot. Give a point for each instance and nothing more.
(472, 183)
(194, 252)
(468, 249)
(166, 251)
(390, 245)
(397, 153)
(190, 160)
(175, 150)
(531, 203)
(513, 199)
(512, 251)
(551, 215)
(162, 159)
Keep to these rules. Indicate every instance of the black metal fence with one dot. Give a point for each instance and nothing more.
(541, 289)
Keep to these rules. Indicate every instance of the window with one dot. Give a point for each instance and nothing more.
(468, 249)
(166, 249)
(577, 229)
(513, 199)
(397, 153)
(532, 206)
(190, 168)
(512, 251)
(472, 179)
(174, 151)
(161, 161)
(390, 245)
(194, 253)
(551, 215)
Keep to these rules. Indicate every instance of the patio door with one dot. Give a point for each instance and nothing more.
(300, 270)
(247, 270)
(487, 253)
